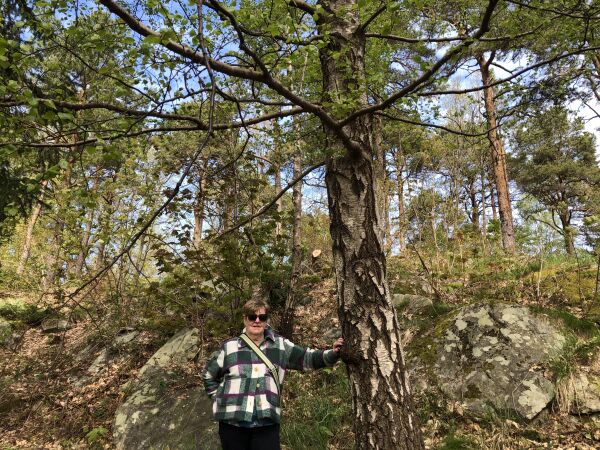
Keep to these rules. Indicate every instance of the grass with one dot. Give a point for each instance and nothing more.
(317, 411)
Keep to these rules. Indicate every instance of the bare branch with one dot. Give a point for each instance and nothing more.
(431, 125)
(267, 206)
(392, 37)
(302, 5)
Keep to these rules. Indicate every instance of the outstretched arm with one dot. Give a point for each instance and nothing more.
(301, 358)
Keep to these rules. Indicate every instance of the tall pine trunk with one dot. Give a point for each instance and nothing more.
(384, 416)
(498, 157)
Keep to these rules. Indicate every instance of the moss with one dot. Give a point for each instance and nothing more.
(425, 344)
(453, 442)
(570, 322)
(472, 392)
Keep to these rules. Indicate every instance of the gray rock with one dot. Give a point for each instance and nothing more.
(159, 413)
(125, 336)
(54, 325)
(582, 393)
(100, 362)
(488, 358)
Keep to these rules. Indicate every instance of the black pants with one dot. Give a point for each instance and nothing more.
(258, 438)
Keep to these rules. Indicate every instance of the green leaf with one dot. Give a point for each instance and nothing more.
(67, 117)
(152, 39)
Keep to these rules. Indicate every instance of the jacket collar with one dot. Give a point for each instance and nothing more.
(269, 335)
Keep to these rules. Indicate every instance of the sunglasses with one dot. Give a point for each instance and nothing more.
(261, 317)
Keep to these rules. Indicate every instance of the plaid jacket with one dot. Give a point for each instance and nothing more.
(240, 385)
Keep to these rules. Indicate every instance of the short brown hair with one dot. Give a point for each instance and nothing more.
(254, 304)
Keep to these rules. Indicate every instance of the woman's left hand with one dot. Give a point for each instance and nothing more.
(337, 345)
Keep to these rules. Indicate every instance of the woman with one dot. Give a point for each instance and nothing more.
(245, 392)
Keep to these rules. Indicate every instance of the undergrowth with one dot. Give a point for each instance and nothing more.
(316, 411)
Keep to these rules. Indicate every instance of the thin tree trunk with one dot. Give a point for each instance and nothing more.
(279, 202)
(493, 201)
(85, 246)
(483, 213)
(35, 214)
(287, 322)
(498, 158)
(384, 416)
(199, 202)
(401, 206)
(474, 206)
(381, 177)
(86, 235)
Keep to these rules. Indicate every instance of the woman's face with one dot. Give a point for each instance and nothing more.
(256, 328)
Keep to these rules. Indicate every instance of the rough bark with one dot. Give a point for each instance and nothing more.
(35, 214)
(498, 158)
(287, 321)
(383, 409)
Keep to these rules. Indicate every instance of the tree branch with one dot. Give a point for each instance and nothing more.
(513, 76)
(267, 206)
(484, 28)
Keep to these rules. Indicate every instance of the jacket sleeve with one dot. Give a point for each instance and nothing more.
(301, 358)
(213, 373)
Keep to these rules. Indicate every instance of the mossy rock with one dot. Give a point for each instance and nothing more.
(489, 357)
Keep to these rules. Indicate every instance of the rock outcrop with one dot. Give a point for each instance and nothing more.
(163, 410)
(490, 359)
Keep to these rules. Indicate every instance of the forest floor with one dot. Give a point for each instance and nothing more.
(43, 407)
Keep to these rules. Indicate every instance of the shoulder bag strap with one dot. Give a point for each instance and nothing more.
(264, 359)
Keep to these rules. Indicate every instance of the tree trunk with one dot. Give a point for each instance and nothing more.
(279, 202)
(498, 158)
(483, 211)
(87, 233)
(474, 206)
(381, 177)
(384, 416)
(35, 214)
(287, 321)
(199, 202)
(493, 201)
(565, 221)
(401, 207)
(85, 246)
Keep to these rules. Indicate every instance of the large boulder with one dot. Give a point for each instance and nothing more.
(163, 409)
(490, 359)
